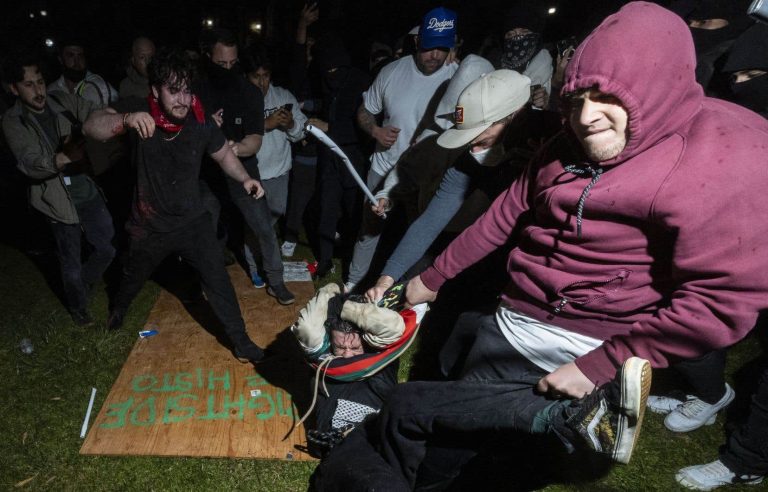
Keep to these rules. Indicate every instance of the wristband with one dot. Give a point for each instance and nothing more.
(125, 117)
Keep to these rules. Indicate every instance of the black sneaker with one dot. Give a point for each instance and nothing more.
(611, 424)
(81, 317)
(281, 293)
(248, 352)
(115, 320)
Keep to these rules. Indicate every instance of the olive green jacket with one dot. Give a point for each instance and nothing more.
(36, 154)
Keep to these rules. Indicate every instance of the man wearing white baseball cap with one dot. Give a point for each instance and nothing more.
(484, 111)
(486, 103)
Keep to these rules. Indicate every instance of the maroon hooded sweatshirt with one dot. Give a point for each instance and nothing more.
(672, 257)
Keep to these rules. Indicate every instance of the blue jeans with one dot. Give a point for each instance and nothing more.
(276, 198)
(258, 218)
(96, 224)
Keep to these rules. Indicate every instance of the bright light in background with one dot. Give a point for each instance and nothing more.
(43, 13)
(208, 22)
(31, 15)
(255, 26)
(551, 10)
(49, 42)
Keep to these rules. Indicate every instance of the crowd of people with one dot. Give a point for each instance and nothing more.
(588, 210)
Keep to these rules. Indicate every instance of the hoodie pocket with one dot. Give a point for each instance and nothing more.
(585, 292)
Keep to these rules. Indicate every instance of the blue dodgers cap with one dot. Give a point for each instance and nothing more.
(438, 29)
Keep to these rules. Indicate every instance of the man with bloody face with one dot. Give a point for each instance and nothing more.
(170, 133)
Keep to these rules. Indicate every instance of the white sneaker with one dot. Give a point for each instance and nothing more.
(288, 248)
(349, 287)
(695, 413)
(663, 404)
(711, 476)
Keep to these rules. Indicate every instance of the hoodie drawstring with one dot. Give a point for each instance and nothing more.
(581, 170)
(322, 367)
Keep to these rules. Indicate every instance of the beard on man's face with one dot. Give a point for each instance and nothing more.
(177, 113)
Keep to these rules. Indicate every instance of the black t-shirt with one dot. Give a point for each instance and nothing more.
(243, 106)
(167, 194)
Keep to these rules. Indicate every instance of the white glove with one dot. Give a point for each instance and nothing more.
(309, 329)
(381, 326)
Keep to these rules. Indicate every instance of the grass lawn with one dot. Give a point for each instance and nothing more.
(43, 397)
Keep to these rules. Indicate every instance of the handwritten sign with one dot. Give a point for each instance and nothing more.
(203, 394)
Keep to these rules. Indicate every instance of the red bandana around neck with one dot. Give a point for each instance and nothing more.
(162, 121)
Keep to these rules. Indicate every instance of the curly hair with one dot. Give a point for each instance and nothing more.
(171, 67)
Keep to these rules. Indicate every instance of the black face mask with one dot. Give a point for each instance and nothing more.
(333, 81)
(73, 75)
(519, 50)
(705, 40)
(223, 78)
(752, 94)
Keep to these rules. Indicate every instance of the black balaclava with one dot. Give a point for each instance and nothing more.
(330, 55)
(752, 94)
(734, 11)
(749, 53)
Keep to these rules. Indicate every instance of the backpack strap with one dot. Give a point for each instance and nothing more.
(66, 113)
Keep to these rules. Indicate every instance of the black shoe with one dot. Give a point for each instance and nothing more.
(281, 293)
(610, 423)
(248, 352)
(81, 317)
(115, 320)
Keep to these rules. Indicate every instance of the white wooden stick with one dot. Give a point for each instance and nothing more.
(88, 414)
(325, 139)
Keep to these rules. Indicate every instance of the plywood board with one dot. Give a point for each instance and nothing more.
(182, 393)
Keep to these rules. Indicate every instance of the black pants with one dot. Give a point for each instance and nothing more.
(705, 375)
(300, 192)
(340, 197)
(495, 397)
(746, 452)
(196, 244)
(96, 224)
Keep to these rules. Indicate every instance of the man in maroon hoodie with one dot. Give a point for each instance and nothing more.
(640, 237)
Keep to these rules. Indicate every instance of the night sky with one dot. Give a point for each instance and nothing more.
(107, 26)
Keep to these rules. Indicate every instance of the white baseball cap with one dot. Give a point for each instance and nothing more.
(485, 101)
